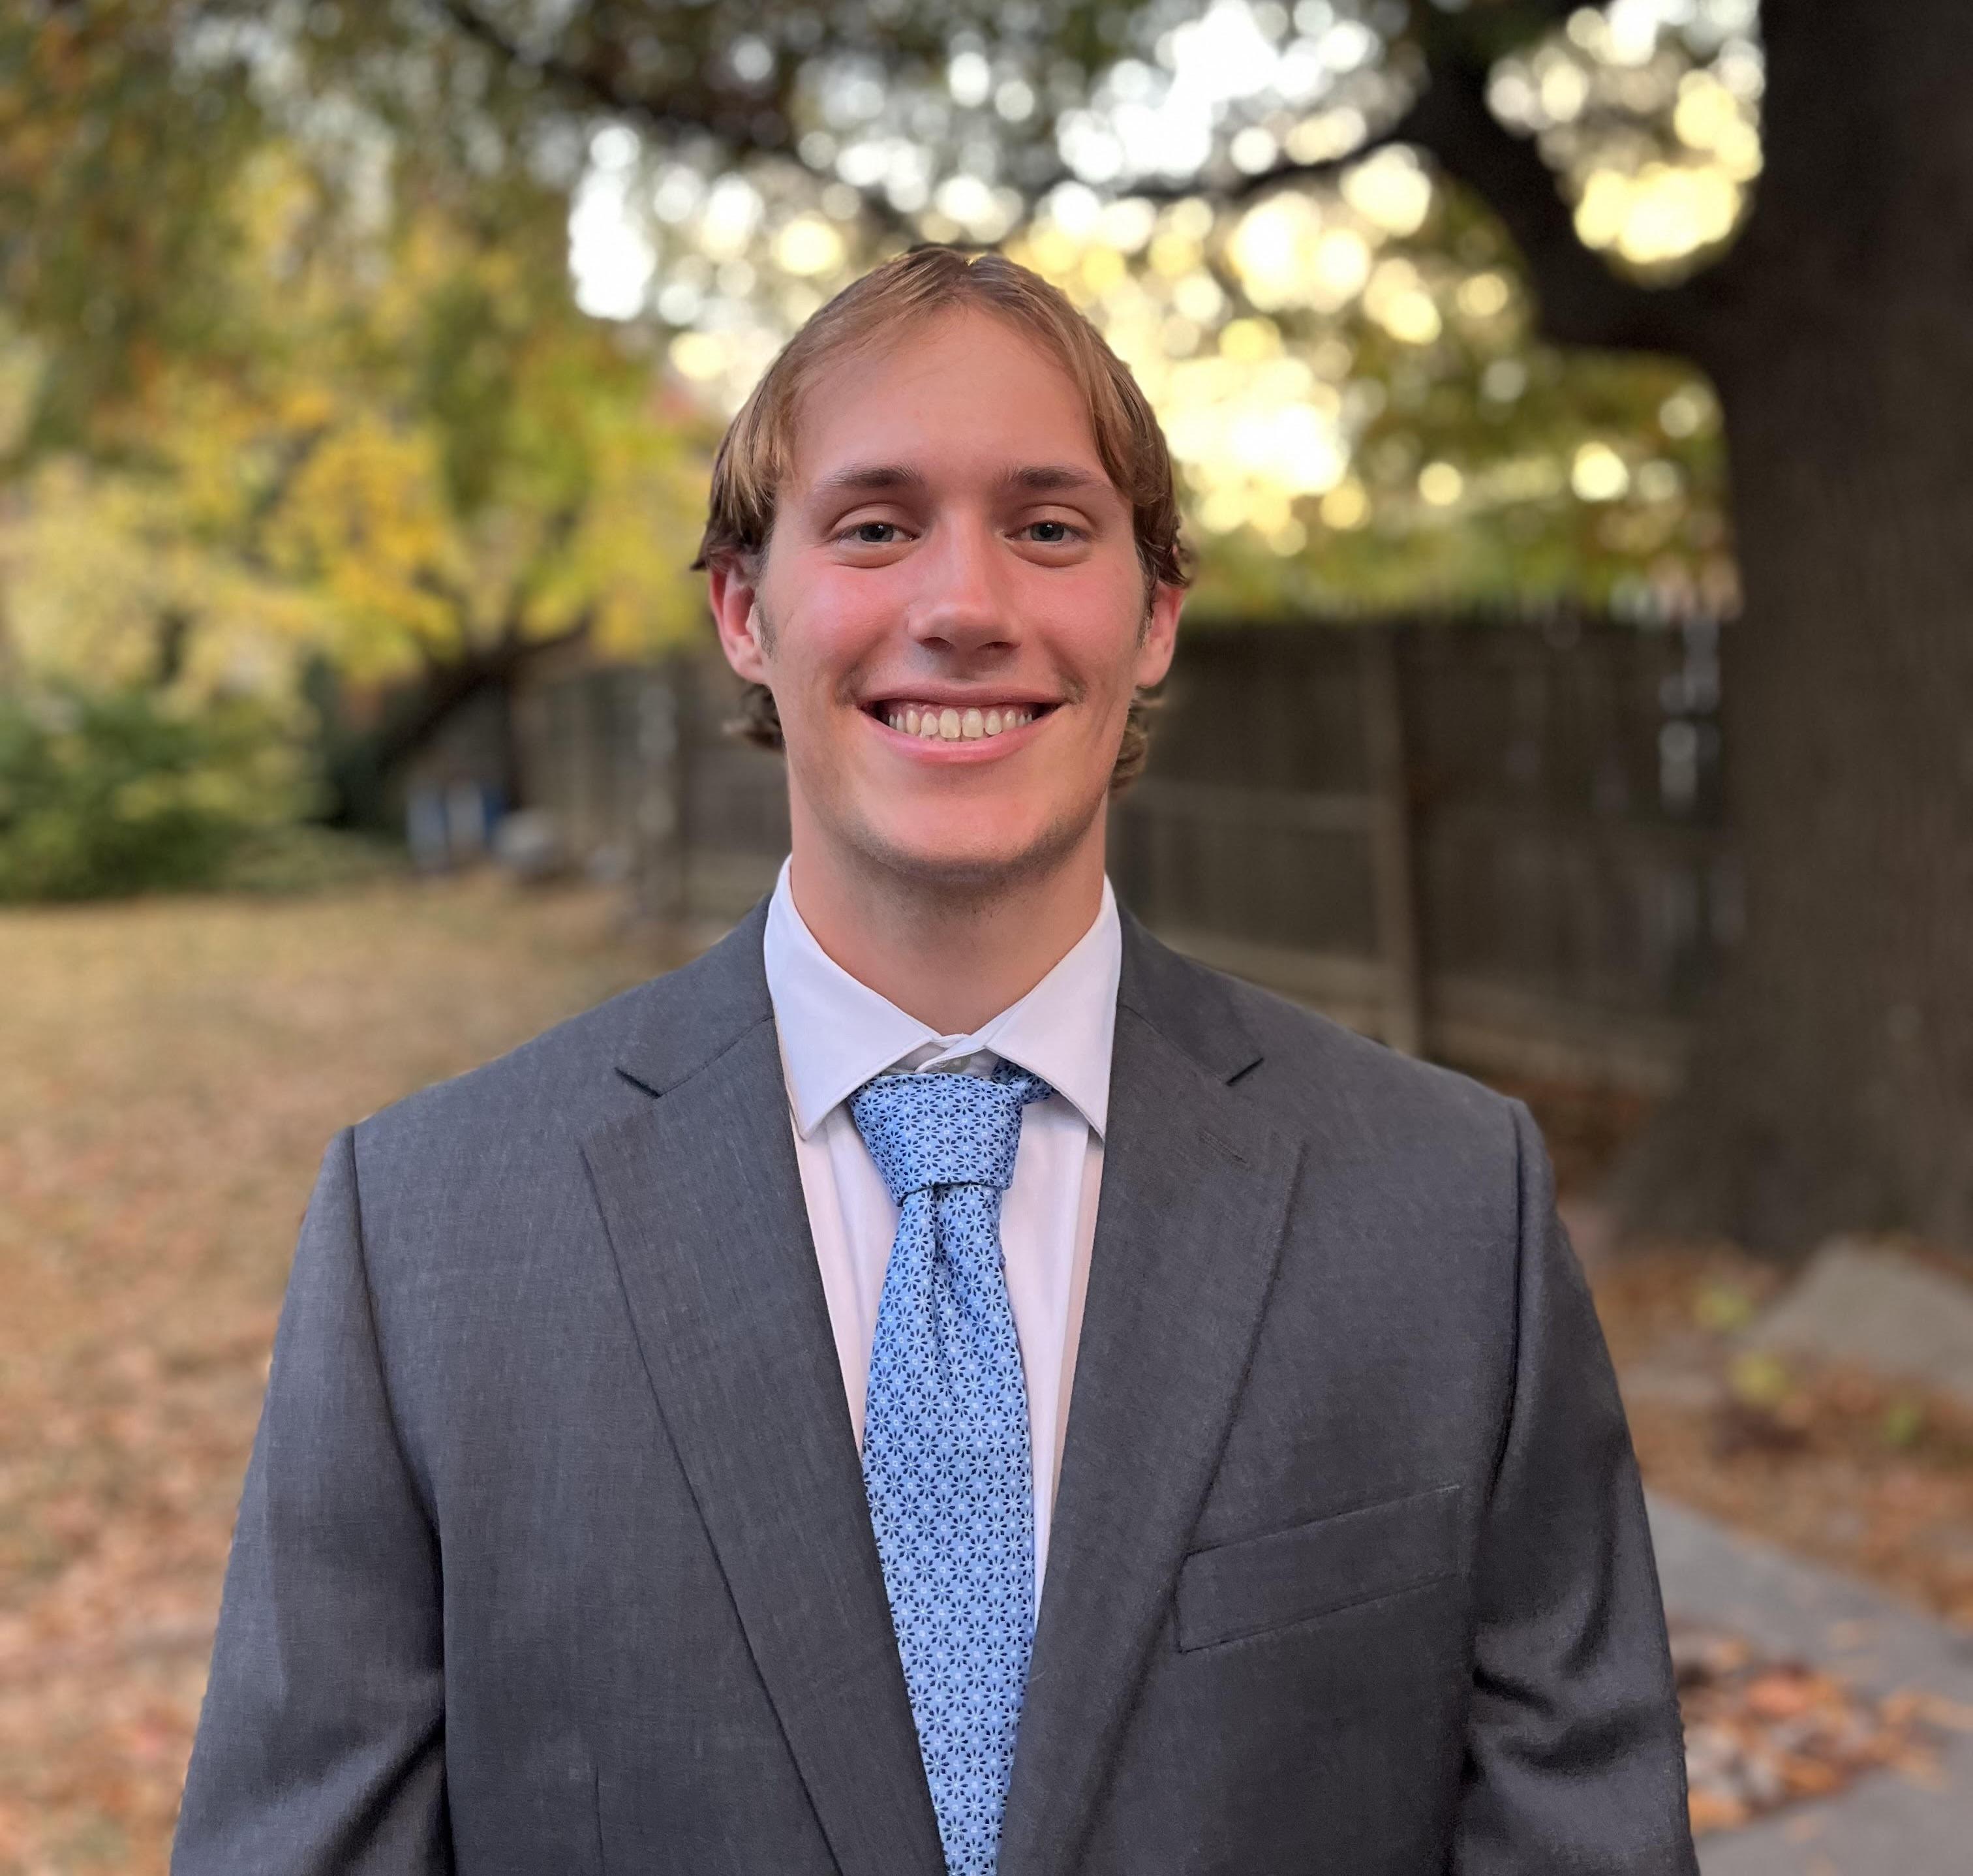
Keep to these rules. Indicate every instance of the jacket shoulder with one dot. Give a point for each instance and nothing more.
(559, 1079)
(573, 1077)
(1318, 1078)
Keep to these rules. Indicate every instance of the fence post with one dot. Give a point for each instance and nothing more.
(1392, 864)
(663, 757)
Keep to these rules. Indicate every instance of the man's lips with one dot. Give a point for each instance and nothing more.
(933, 721)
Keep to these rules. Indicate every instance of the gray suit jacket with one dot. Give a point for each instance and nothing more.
(554, 1554)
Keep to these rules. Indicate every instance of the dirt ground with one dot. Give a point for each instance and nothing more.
(169, 1074)
(1871, 1476)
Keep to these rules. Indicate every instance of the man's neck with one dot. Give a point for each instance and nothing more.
(954, 962)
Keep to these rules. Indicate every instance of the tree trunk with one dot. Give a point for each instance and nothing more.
(1832, 1089)
(361, 765)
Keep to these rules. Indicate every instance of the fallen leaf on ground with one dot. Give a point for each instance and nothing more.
(1762, 1734)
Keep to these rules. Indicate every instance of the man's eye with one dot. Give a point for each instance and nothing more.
(874, 533)
(1050, 533)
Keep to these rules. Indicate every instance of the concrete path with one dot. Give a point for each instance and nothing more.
(1887, 1824)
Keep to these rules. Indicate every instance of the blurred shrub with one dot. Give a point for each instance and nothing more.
(283, 861)
(107, 793)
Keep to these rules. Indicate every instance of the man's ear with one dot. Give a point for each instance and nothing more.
(1159, 639)
(736, 612)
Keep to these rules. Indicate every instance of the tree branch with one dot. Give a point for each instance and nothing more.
(1581, 301)
(429, 581)
(1402, 129)
(411, 716)
(739, 130)
(1481, 33)
(600, 87)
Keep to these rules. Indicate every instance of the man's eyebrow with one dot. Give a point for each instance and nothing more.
(1051, 479)
(1027, 478)
(870, 477)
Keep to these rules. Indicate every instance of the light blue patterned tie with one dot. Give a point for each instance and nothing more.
(946, 1462)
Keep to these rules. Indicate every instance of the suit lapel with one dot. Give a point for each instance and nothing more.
(1195, 1192)
(702, 1195)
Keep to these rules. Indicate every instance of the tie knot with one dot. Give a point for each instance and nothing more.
(944, 1129)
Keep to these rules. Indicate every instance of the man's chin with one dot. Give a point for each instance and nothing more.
(980, 862)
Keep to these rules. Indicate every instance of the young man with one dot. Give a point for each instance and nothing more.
(942, 1383)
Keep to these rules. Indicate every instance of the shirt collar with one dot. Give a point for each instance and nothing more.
(835, 1032)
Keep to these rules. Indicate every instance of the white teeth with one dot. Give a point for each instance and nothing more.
(947, 723)
(998, 720)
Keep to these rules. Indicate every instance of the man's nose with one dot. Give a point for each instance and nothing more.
(962, 606)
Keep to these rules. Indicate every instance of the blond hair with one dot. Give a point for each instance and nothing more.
(756, 454)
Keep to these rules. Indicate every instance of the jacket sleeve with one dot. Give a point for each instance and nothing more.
(1574, 1759)
(321, 1743)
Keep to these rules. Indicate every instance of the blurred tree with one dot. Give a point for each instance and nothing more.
(1834, 1088)
(468, 473)
(412, 457)
(119, 139)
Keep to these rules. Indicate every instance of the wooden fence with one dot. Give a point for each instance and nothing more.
(1496, 843)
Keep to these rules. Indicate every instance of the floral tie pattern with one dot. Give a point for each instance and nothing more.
(946, 1460)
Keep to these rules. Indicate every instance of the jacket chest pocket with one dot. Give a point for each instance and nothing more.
(1259, 1583)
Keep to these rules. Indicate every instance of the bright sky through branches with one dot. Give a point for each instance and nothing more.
(1272, 333)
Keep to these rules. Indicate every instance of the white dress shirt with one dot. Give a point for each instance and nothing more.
(836, 1032)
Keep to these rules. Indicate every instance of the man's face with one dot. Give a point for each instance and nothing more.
(952, 615)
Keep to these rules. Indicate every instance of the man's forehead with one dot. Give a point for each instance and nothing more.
(898, 408)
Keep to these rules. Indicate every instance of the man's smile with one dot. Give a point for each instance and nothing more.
(930, 720)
